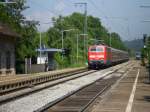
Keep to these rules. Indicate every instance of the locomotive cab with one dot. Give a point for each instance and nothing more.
(102, 55)
(96, 56)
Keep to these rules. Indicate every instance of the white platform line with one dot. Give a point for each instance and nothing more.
(130, 102)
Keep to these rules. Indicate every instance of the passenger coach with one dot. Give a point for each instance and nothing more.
(102, 55)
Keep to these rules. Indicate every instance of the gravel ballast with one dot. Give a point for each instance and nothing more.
(36, 100)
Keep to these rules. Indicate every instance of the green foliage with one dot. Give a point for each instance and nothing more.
(143, 55)
(29, 40)
(11, 14)
(76, 21)
(146, 51)
(117, 42)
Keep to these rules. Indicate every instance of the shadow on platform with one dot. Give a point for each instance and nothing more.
(146, 98)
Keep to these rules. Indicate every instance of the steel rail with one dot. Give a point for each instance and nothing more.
(26, 91)
(51, 104)
(93, 99)
(30, 89)
(30, 81)
(45, 107)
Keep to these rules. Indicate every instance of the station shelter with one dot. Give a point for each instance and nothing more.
(47, 56)
(45, 60)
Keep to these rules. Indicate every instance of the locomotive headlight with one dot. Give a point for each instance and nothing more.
(92, 56)
(100, 56)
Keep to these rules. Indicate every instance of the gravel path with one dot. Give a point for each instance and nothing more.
(34, 101)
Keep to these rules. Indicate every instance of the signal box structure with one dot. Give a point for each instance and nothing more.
(7, 50)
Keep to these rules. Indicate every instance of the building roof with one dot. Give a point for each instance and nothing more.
(49, 50)
(6, 30)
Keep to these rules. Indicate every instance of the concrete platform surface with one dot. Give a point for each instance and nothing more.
(131, 94)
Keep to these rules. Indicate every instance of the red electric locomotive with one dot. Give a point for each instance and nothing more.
(103, 55)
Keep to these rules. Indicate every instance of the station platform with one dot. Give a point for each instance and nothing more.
(130, 94)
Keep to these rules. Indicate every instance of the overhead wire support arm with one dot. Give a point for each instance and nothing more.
(145, 6)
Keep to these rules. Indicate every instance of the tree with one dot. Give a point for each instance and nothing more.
(11, 14)
(75, 21)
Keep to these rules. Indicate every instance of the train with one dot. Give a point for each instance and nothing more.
(103, 56)
(138, 55)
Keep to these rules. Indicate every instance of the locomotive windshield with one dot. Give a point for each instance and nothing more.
(96, 49)
(93, 49)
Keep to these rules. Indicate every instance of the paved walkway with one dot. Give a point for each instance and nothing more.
(131, 94)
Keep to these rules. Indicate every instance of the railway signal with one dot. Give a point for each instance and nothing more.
(144, 38)
(66, 51)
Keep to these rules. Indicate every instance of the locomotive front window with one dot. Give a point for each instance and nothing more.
(98, 49)
(93, 49)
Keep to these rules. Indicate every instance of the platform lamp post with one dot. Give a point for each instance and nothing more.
(40, 46)
(62, 37)
(40, 35)
(41, 38)
(40, 43)
(77, 55)
(77, 47)
(85, 47)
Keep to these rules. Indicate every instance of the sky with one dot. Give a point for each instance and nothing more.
(125, 17)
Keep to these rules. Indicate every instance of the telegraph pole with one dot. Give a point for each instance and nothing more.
(40, 46)
(62, 41)
(77, 46)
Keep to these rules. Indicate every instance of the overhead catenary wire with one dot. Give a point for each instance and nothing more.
(47, 9)
(108, 18)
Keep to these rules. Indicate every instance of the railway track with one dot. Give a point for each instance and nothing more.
(17, 82)
(10, 95)
(79, 100)
(39, 96)
(11, 83)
